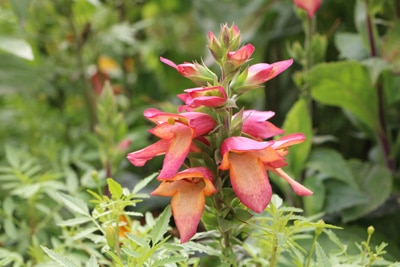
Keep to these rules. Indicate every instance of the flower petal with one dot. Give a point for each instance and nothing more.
(256, 125)
(250, 181)
(140, 157)
(298, 188)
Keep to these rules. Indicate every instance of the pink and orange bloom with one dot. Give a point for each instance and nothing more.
(177, 132)
(205, 148)
(188, 190)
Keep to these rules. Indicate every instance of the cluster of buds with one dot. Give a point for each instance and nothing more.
(208, 146)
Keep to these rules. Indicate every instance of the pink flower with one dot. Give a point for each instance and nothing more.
(196, 72)
(248, 161)
(310, 6)
(203, 96)
(263, 72)
(188, 189)
(256, 125)
(239, 57)
(177, 132)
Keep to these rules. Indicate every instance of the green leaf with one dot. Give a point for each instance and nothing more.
(341, 196)
(59, 258)
(375, 181)
(17, 47)
(92, 262)
(85, 233)
(137, 240)
(115, 189)
(347, 85)
(161, 225)
(331, 164)
(314, 203)
(322, 259)
(350, 46)
(74, 221)
(74, 204)
(142, 183)
(169, 260)
(298, 120)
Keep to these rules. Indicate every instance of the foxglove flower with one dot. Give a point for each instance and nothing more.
(196, 72)
(188, 189)
(256, 124)
(203, 96)
(177, 132)
(239, 57)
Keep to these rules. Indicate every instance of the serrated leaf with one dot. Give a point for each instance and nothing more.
(92, 262)
(59, 258)
(322, 259)
(137, 240)
(74, 204)
(298, 120)
(115, 189)
(161, 225)
(345, 84)
(84, 233)
(142, 183)
(173, 259)
(74, 221)
(131, 253)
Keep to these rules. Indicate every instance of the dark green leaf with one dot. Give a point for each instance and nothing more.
(331, 164)
(314, 203)
(375, 181)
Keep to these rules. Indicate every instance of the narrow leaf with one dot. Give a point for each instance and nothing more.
(74, 221)
(169, 260)
(85, 232)
(142, 183)
(59, 258)
(75, 204)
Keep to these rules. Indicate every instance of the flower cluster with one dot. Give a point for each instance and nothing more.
(207, 146)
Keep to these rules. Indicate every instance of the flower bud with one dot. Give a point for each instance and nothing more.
(310, 6)
(215, 47)
(239, 57)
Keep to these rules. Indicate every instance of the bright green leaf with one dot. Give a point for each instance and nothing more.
(347, 85)
(298, 120)
(169, 260)
(142, 183)
(115, 189)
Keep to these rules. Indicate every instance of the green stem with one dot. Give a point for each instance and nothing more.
(273, 261)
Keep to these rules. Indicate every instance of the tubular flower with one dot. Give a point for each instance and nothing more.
(203, 96)
(246, 160)
(196, 72)
(177, 132)
(256, 125)
(240, 56)
(188, 189)
(263, 72)
(310, 6)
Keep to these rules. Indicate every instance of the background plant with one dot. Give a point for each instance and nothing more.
(58, 45)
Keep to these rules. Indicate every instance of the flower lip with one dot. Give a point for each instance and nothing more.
(243, 144)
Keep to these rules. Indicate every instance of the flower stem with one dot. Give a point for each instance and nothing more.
(382, 131)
